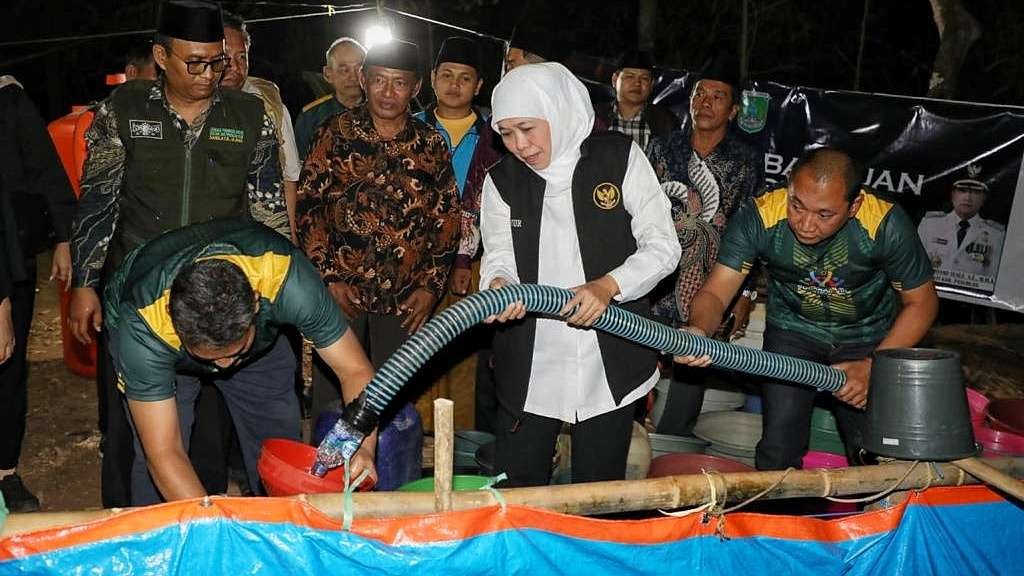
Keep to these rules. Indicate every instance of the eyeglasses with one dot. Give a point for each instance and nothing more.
(198, 67)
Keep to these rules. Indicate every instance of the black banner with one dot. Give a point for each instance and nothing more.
(944, 162)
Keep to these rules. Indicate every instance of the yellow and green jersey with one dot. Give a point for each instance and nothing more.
(840, 291)
(136, 313)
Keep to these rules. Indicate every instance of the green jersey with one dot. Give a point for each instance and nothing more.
(148, 350)
(840, 291)
(309, 121)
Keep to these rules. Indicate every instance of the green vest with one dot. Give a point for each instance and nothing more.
(166, 185)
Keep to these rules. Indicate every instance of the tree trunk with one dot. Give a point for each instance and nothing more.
(646, 25)
(744, 32)
(958, 31)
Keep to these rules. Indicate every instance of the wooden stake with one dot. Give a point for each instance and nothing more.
(444, 449)
(607, 497)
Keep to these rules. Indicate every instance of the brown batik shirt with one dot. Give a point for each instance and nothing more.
(380, 215)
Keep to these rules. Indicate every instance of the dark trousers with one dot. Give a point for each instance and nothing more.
(685, 398)
(787, 407)
(214, 450)
(485, 398)
(117, 446)
(380, 335)
(262, 401)
(14, 372)
(525, 446)
(212, 440)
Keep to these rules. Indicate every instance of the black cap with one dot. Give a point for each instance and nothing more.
(397, 54)
(640, 59)
(723, 67)
(536, 33)
(459, 50)
(192, 20)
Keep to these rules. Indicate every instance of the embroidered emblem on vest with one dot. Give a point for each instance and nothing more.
(227, 135)
(607, 196)
(146, 129)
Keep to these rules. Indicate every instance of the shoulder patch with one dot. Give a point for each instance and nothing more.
(317, 102)
(772, 206)
(998, 226)
(872, 211)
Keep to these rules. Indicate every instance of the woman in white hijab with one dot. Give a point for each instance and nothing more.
(582, 211)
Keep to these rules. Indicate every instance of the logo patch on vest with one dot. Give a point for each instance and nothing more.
(146, 129)
(607, 196)
(232, 135)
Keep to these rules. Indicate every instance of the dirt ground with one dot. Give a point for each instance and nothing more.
(60, 459)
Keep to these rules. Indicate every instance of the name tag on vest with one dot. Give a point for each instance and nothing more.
(153, 129)
(227, 135)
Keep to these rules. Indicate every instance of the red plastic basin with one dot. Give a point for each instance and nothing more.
(284, 468)
(688, 463)
(1007, 415)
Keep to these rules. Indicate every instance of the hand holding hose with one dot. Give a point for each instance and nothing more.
(514, 311)
(592, 300)
(695, 361)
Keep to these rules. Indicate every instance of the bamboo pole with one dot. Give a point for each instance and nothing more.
(607, 497)
(982, 471)
(444, 461)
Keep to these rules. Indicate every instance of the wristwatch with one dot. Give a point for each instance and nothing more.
(752, 294)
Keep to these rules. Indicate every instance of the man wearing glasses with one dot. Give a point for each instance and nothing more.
(208, 301)
(166, 153)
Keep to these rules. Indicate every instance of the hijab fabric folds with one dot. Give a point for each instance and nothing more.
(550, 92)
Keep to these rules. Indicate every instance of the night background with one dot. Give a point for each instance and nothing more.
(795, 42)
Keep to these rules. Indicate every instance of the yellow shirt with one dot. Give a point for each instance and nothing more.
(457, 128)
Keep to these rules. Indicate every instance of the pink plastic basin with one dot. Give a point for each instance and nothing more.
(997, 443)
(688, 463)
(976, 402)
(814, 460)
(1007, 415)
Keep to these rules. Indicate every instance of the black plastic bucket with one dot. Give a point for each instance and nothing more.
(917, 406)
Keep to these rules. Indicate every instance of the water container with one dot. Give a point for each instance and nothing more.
(917, 407)
(68, 135)
(399, 445)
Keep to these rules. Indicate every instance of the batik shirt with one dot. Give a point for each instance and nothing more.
(705, 193)
(844, 290)
(380, 215)
(104, 171)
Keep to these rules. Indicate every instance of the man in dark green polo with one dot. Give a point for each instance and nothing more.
(209, 301)
(847, 276)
